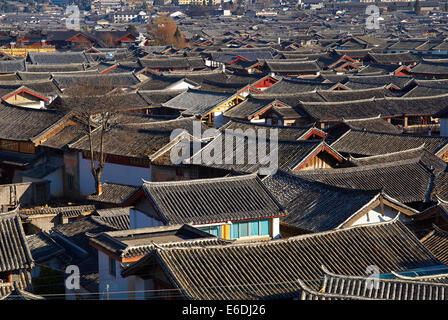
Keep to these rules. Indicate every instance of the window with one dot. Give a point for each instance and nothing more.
(244, 229)
(251, 228)
(264, 227)
(112, 265)
(214, 230)
(254, 228)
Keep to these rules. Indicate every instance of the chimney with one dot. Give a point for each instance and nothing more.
(100, 188)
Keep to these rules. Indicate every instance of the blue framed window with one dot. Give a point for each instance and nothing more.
(254, 229)
(264, 227)
(251, 228)
(214, 230)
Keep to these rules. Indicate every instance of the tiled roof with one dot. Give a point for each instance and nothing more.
(118, 218)
(368, 143)
(140, 241)
(436, 242)
(388, 289)
(212, 200)
(258, 270)
(197, 102)
(114, 193)
(15, 252)
(314, 207)
(406, 180)
(26, 124)
(42, 247)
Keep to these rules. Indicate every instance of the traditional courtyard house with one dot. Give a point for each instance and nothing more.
(436, 241)
(426, 88)
(230, 83)
(119, 67)
(173, 64)
(284, 132)
(38, 70)
(388, 69)
(128, 149)
(158, 83)
(72, 39)
(365, 82)
(361, 143)
(36, 94)
(298, 86)
(243, 66)
(338, 63)
(113, 195)
(223, 57)
(12, 66)
(315, 207)
(252, 109)
(238, 207)
(110, 54)
(23, 131)
(264, 83)
(414, 177)
(291, 67)
(129, 102)
(116, 38)
(124, 80)
(207, 105)
(288, 113)
(117, 249)
(412, 113)
(431, 69)
(57, 57)
(434, 218)
(45, 218)
(406, 45)
(116, 217)
(376, 124)
(285, 154)
(16, 260)
(400, 285)
(255, 266)
(405, 58)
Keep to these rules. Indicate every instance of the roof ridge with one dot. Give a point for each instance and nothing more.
(360, 168)
(201, 181)
(422, 147)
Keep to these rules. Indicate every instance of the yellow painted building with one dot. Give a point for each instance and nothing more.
(23, 52)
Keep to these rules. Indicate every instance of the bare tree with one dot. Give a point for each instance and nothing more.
(95, 103)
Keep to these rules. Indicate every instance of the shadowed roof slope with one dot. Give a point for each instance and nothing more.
(257, 270)
(25, 124)
(212, 200)
(15, 253)
(371, 143)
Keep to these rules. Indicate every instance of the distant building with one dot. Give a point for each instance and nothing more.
(129, 16)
